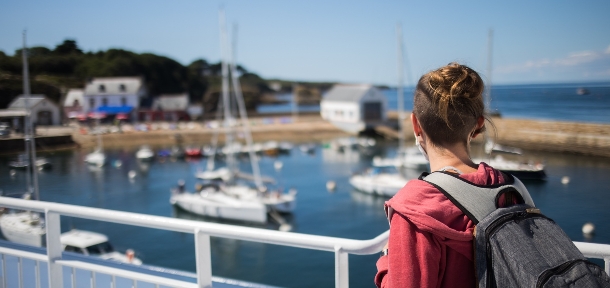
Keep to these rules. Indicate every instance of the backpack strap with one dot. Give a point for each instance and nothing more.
(476, 201)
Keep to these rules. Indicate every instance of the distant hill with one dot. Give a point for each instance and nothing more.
(54, 71)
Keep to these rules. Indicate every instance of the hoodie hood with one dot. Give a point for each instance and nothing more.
(431, 211)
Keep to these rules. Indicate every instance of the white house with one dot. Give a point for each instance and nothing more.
(42, 110)
(73, 103)
(354, 108)
(113, 95)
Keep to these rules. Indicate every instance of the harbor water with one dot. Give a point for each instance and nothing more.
(559, 102)
(576, 192)
(341, 213)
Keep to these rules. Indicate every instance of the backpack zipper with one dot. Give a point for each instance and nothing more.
(544, 277)
(516, 216)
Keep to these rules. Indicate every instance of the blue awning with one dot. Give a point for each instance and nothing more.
(114, 109)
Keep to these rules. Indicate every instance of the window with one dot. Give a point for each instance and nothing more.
(102, 88)
(76, 103)
(91, 103)
(104, 101)
(122, 88)
(73, 249)
(101, 248)
(123, 101)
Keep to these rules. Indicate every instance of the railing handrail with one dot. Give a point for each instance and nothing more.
(316, 242)
(342, 247)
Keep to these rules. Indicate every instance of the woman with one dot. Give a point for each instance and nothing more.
(430, 243)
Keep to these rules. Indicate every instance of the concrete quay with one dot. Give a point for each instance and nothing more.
(536, 135)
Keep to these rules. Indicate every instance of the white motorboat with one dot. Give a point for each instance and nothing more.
(95, 244)
(384, 181)
(96, 158)
(145, 153)
(23, 227)
(409, 157)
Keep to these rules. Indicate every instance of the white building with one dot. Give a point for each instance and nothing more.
(114, 95)
(73, 103)
(354, 108)
(42, 110)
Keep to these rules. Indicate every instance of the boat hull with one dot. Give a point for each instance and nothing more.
(220, 206)
(378, 186)
(19, 228)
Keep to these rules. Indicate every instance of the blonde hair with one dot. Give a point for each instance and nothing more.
(448, 102)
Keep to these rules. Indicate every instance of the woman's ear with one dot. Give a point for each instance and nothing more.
(480, 128)
(416, 128)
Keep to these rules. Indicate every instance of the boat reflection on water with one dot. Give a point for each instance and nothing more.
(272, 224)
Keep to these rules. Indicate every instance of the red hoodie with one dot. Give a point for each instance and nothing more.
(430, 241)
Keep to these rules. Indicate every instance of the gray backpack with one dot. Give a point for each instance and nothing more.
(517, 246)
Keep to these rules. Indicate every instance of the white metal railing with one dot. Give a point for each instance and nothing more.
(202, 232)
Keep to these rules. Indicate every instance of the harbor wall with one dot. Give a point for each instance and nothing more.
(536, 135)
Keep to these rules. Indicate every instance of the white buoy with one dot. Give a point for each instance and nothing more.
(331, 185)
(278, 165)
(13, 173)
(565, 180)
(118, 163)
(132, 174)
(588, 228)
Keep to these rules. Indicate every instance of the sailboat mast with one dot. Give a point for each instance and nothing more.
(242, 112)
(489, 69)
(400, 96)
(30, 145)
(225, 94)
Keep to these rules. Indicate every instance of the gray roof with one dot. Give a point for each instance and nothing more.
(347, 93)
(114, 86)
(19, 102)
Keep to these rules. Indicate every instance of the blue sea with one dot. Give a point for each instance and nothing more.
(342, 213)
(535, 101)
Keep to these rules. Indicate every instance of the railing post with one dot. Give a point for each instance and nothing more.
(54, 249)
(203, 257)
(341, 268)
(607, 266)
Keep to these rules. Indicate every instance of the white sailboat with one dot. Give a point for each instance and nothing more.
(384, 178)
(97, 157)
(406, 157)
(523, 170)
(26, 227)
(145, 153)
(233, 199)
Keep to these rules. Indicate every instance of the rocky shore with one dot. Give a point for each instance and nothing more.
(536, 135)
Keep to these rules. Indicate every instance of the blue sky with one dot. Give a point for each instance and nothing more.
(348, 41)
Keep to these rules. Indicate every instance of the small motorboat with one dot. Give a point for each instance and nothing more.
(95, 244)
(192, 152)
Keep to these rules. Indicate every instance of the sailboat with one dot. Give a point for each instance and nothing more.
(406, 157)
(234, 198)
(523, 170)
(26, 227)
(384, 178)
(97, 157)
